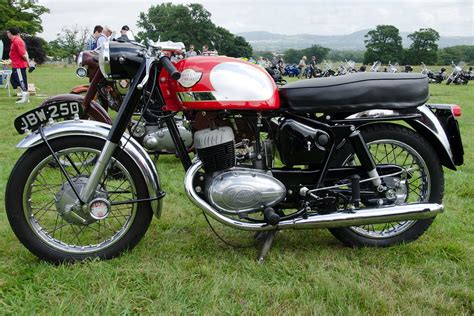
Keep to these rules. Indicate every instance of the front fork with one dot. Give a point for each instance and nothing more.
(113, 139)
(118, 129)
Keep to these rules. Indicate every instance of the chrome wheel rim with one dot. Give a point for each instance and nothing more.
(389, 151)
(40, 203)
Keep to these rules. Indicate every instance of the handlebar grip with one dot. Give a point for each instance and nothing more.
(170, 68)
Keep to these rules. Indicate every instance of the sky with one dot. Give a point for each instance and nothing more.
(321, 17)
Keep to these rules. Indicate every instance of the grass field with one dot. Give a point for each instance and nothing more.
(180, 267)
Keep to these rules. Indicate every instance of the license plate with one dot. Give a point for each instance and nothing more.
(33, 119)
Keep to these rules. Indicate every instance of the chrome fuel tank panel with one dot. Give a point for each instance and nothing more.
(241, 190)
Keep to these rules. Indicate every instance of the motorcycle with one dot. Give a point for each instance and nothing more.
(432, 77)
(291, 71)
(330, 153)
(327, 69)
(346, 68)
(393, 68)
(375, 66)
(102, 94)
(274, 72)
(458, 75)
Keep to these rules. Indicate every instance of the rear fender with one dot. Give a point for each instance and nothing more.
(427, 125)
(94, 111)
(100, 130)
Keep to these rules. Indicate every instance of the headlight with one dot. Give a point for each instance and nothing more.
(81, 72)
(104, 60)
(119, 60)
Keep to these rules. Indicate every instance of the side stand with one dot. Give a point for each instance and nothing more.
(267, 245)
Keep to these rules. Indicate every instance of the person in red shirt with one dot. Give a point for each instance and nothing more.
(19, 58)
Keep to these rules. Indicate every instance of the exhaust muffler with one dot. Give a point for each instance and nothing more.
(367, 216)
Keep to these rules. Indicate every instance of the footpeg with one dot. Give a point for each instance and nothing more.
(271, 216)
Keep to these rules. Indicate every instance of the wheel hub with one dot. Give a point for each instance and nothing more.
(69, 209)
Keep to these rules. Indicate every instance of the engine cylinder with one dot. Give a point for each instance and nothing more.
(215, 148)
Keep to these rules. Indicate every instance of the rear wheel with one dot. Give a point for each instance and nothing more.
(40, 200)
(397, 145)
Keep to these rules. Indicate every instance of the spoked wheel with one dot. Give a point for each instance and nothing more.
(397, 145)
(40, 202)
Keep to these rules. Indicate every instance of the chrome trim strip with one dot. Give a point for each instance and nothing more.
(356, 218)
(101, 130)
(196, 96)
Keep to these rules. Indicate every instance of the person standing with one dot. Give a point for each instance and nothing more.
(313, 67)
(104, 36)
(92, 41)
(123, 34)
(190, 52)
(19, 58)
(302, 66)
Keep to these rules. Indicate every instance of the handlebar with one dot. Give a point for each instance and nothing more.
(166, 63)
(170, 68)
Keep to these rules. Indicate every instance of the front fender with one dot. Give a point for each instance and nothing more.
(100, 130)
(80, 89)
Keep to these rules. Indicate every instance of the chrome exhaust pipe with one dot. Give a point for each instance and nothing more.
(365, 216)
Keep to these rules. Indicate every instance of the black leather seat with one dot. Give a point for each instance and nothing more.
(356, 92)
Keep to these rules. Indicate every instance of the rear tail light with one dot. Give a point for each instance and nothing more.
(453, 108)
(456, 110)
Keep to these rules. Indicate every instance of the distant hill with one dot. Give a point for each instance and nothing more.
(263, 41)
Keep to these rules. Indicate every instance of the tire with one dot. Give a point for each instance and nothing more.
(37, 193)
(449, 81)
(431, 185)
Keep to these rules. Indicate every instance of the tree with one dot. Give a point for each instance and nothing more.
(383, 44)
(265, 54)
(190, 24)
(34, 45)
(316, 50)
(27, 17)
(293, 56)
(69, 42)
(23, 14)
(424, 47)
(343, 55)
(456, 54)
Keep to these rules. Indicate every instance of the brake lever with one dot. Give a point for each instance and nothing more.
(149, 62)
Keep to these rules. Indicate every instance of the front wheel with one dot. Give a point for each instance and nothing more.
(401, 146)
(40, 200)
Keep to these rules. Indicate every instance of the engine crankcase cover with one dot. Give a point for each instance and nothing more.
(241, 190)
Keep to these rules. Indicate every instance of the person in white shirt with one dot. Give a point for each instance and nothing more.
(104, 36)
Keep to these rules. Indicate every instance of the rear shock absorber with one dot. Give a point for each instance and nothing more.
(365, 158)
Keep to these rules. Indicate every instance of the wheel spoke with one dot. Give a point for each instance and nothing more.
(60, 229)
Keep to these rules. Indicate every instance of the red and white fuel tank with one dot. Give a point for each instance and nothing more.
(219, 83)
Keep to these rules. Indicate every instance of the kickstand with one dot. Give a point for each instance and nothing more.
(267, 245)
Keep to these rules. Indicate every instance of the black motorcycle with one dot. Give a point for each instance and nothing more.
(438, 77)
(458, 75)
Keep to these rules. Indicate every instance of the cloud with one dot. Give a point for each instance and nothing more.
(449, 17)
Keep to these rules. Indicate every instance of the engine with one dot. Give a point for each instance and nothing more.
(233, 190)
(157, 138)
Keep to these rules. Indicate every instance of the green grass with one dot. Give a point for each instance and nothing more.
(180, 267)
